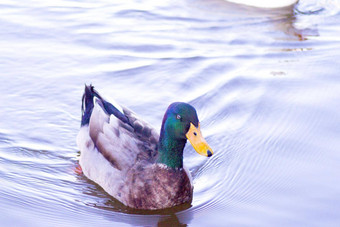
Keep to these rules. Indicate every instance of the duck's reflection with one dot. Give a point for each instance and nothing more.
(295, 25)
(170, 221)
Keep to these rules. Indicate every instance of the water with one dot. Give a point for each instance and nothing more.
(265, 84)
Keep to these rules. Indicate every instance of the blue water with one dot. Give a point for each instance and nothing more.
(265, 84)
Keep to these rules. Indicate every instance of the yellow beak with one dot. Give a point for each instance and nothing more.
(196, 139)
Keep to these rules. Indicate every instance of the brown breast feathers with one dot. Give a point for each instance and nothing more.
(157, 187)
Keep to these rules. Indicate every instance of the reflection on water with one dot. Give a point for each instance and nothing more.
(264, 83)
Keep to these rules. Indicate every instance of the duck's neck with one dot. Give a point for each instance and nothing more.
(170, 151)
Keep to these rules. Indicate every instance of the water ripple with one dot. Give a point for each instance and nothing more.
(264, 83)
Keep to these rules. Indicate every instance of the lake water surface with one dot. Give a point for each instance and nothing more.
(265, 83)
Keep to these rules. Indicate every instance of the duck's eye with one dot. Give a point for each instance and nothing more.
(195, 134)
(178, 117)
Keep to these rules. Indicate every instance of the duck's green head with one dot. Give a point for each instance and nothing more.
(180, 123)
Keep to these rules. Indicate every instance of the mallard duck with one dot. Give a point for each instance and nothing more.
(130, 160)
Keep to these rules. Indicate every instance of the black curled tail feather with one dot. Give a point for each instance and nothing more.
(88, 105)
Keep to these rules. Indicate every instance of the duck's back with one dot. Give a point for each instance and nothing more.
(122, 144)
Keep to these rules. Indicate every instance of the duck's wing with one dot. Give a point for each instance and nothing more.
(116, 132)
